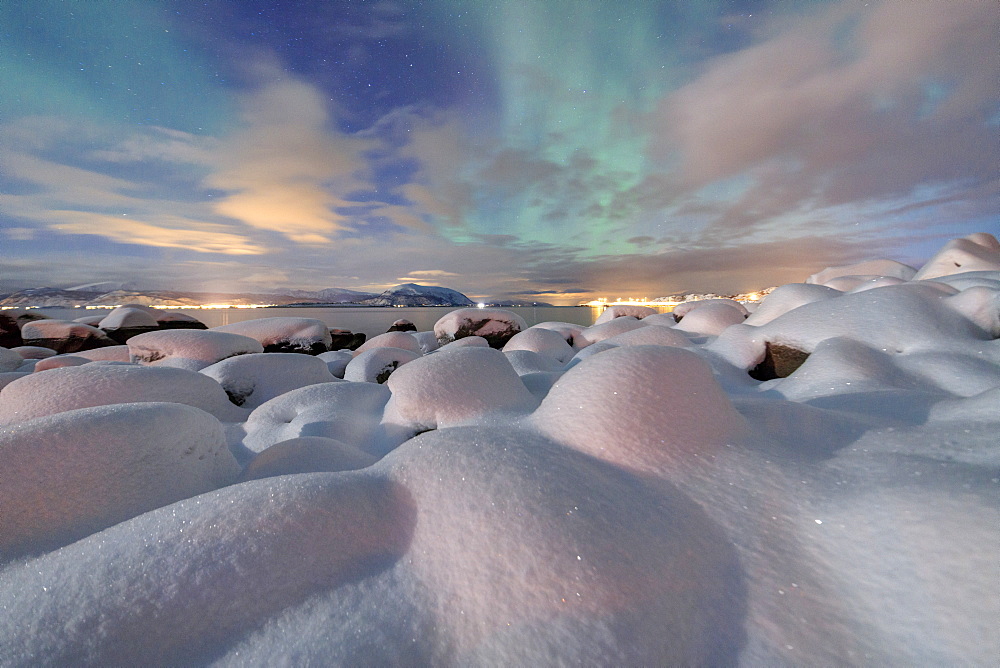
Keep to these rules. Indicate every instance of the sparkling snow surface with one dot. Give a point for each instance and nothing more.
(624, 494)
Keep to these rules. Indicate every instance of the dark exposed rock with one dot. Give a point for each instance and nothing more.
(345, 339)
(402, 325)
(779, 362)
(10, 333)
(122, 334)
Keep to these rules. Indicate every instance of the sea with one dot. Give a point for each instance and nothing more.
(371, 321)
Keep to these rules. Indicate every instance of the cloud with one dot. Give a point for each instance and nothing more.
(286, 169)
(842, 106)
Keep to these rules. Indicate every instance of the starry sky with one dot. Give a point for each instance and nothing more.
(555, 151)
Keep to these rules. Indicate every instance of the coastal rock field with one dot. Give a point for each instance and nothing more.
(812, 480)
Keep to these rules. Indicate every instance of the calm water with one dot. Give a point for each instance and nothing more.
(371, 321)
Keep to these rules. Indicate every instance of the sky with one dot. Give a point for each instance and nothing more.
(555, 151)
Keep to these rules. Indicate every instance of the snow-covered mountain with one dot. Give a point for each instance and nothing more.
(411, 294)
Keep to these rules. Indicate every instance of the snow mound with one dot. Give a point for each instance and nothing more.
(495, 325)
(567, 330)
(348, 412)
(9, 360)
(427, 341)
(980, 305)
(284, 335)
(711, 317)
(336, 361)
(189, 348)
(68, 388)
(68, 475)
(62, 336)
(34, 352)
(788, 297)
(543, 341)
(885, 268)
(8, 377)
(976, 252)
(107, 354)
(860, 283)
(681, 310)
(645, 408)
(59, 361)
(528, 361)
(306, 454)
(649, 336)
(377, 364)
(177, 584)
(464, 386)
(127, 317)
(465, 342)
(619, 310)
(533, 552)
(597, 333)
(395, 339)
(250, 380)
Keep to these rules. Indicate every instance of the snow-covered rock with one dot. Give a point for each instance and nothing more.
(619, 310)
(68, 475)
(644, 408)
(347, 412)
(544, 341)
(649, 336)
(681, 310)
(377, 364)
(124, 322)
(495, 325)
(250, 380)
(391, 339)
(284, 335)
(62, 336)
(58, 361)
(788, 297)
(96, 384)
(306, 454)
(336, 361)
(597, 333)
(464, 386)
(976, 252)
(190, 349)
(34, 352)
(886, 268)
(711, 317)
(9, 360)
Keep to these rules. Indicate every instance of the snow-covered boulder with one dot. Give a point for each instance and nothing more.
(711, 317)
(788, 297)
(63, 336)
(306, 454)
(9, 360)
(649, 336)
(976, 252)
(107, 354)
(58, 361)
(250, 380)
(391, 339)
(125, 322)
(402, 325)
(284, 335)
(526, 553)
(178, 584)
(567, 330)
(34, 352)
(8, 377)
(645, 408)
(347, 412)
(544, 341)
(597, 333)
(886, 268)
(861, 283)
(336, 361)
(427, 341)
(681, 310)
(190, 349)
(528, 361)
(377, 364)
(619, 310)
(464, 386)
(495, 325)
(97, 384)
(68, 475)
(465, 342)
(173, 320)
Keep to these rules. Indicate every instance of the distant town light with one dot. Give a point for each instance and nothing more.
(480, 305)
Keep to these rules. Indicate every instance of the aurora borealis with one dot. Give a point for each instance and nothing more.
(558, 150)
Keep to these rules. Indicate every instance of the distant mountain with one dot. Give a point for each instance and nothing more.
(411, 294)
(331, 295)
(516, 302)
(102, 287)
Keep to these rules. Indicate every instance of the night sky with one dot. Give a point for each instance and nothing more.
(557, 150)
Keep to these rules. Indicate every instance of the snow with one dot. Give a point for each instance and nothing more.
(306, 335)
(620, 494)
(189, 348)
(252, 379)
(95, 384)
(34, 352)
(619, 310)
(93, 467)
(347, 412)
(495, 325)
(128, 317)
